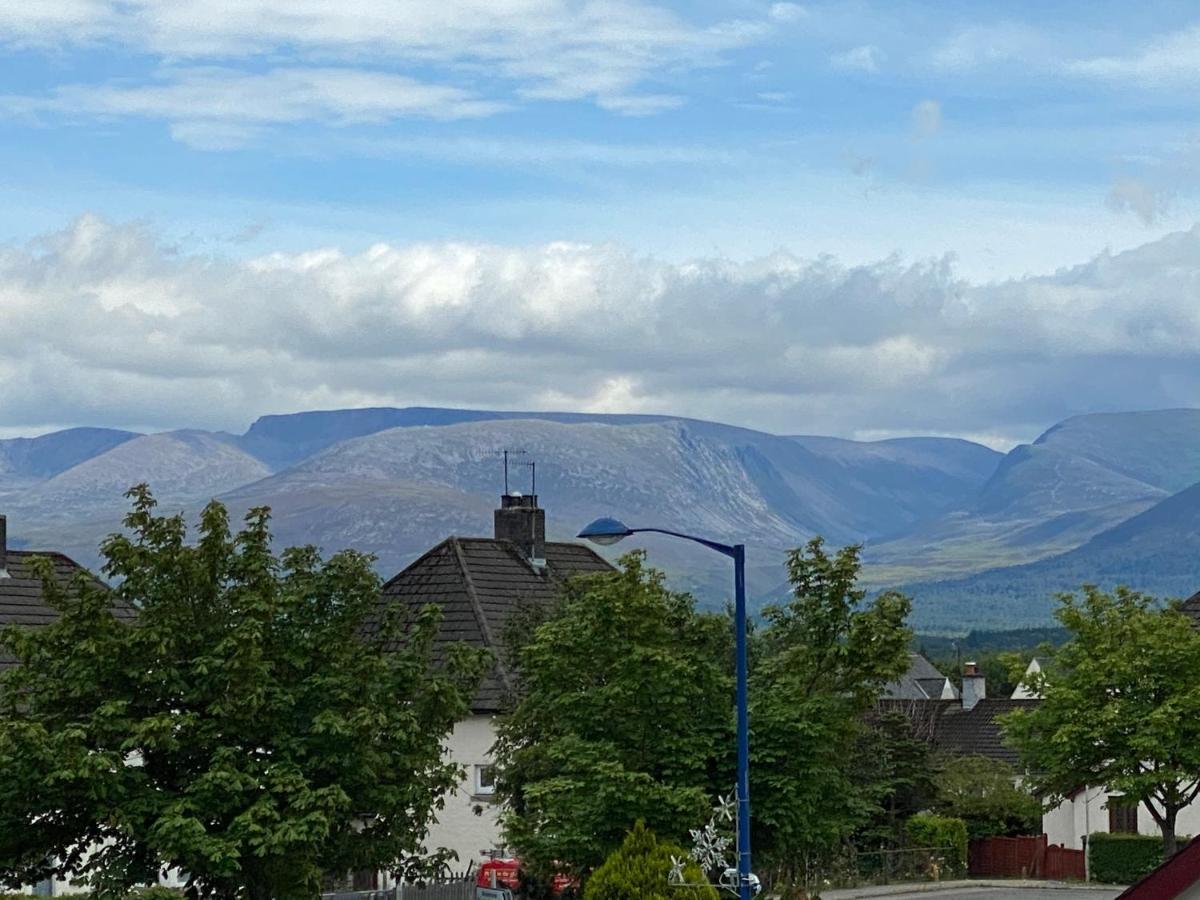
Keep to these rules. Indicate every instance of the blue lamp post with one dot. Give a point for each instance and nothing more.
(608, 531)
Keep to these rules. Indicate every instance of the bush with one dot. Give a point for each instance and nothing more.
(943, 833)
(1123, 858)
(638, 870)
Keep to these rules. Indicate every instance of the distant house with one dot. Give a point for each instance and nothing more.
(479, 583)
(956, 723)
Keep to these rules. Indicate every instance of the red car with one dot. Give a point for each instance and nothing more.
(497, 875)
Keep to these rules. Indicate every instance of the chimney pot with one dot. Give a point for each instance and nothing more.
(974, 686)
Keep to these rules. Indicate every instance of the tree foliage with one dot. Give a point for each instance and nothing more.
(241, 730)
(624, 698)
(1120, 706)
(822, 661)
(987, 795)
(639, 869)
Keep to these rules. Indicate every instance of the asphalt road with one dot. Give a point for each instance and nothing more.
(980, 892)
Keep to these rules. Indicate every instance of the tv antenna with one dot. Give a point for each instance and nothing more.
(510, 456)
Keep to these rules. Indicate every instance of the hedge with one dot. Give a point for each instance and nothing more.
(925, 830)
(1123, 858)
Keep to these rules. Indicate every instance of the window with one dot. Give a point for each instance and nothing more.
(1122, 816)
(485, 779)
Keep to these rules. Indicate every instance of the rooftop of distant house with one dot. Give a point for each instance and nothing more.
(480, 582)
(22, 599)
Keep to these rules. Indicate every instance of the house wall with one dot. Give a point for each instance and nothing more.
(468, 825)
(1067, 822)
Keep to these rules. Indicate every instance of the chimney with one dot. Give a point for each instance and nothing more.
(3, 547)
(520, 520)
(974, 687)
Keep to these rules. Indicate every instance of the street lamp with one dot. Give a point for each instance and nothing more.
(608, 531)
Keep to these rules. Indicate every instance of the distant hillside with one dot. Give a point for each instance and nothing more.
(1078, 479)
(1157, 552)
(45, 456)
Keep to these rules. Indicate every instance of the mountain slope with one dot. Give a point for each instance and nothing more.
(46, 456)
(1157, 551)
(1078, 479)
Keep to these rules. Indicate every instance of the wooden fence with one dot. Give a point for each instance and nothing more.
(1024, 857)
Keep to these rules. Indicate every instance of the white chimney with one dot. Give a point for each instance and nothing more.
(974, 686)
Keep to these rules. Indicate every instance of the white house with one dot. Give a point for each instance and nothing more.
(479, 583)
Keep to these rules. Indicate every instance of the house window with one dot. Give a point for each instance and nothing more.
(1122, 816)
(485, 779)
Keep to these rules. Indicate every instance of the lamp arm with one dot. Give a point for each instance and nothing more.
(711, 545)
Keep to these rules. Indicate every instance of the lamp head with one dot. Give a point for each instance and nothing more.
(605, 531)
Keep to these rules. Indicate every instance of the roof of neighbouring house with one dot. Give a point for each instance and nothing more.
(962, 732)
(921, 681)
(479, 583)
(21, 597)
(1191, 606)
(1170, 879)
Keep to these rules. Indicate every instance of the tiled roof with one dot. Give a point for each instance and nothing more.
(21, 601)
(479, 583)
(961, 732)
(1191, 606)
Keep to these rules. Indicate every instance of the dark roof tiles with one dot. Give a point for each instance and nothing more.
(478, 583)
(962, 732)
(21, 599)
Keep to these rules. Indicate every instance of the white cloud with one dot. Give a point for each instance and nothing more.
(105, 324)
(603, 52)
(981, 45)
(1170, 59)
(213, 106)
(926, 118)
(787, 13)
(1135, 195)
(866, 58)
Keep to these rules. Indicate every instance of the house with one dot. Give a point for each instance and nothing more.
(1094, 808)
(1176, 879)
(479, 583)
(957, 723)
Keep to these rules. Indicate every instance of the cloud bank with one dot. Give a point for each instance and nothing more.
(104, 323)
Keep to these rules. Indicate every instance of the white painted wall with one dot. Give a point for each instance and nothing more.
(459, 827)
(1069, 820)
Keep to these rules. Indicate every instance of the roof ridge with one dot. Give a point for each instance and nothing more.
(484, 628)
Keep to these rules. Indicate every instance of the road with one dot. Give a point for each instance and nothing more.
(989, 891)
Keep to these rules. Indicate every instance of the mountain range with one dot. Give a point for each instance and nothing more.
(979, 538)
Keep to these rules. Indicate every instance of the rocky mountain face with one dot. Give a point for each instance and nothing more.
(944, 517)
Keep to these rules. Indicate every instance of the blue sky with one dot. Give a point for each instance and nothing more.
(1002, 140)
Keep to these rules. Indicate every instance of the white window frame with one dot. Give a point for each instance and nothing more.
(481, 789)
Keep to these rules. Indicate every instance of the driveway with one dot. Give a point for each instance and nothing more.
(978, 890)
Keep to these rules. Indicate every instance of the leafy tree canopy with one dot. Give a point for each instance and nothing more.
(1120, 707)
(241, 730)
(624, 696)
(822, 661)
(639, 870)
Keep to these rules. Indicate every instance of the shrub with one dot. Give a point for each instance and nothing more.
(1123, 858)
(943, 833)
(638, 870)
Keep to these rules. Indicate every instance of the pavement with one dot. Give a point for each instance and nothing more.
(1013, 889)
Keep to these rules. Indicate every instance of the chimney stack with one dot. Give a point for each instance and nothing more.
(3, 547)
(974, 686)
(521, 521)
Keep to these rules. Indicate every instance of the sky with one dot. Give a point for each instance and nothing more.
(861, 219)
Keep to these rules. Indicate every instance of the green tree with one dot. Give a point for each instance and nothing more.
(624, 697)
(985, 793)
(1120, 706)
(639, 870)
(822, 662)
(241, 730)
